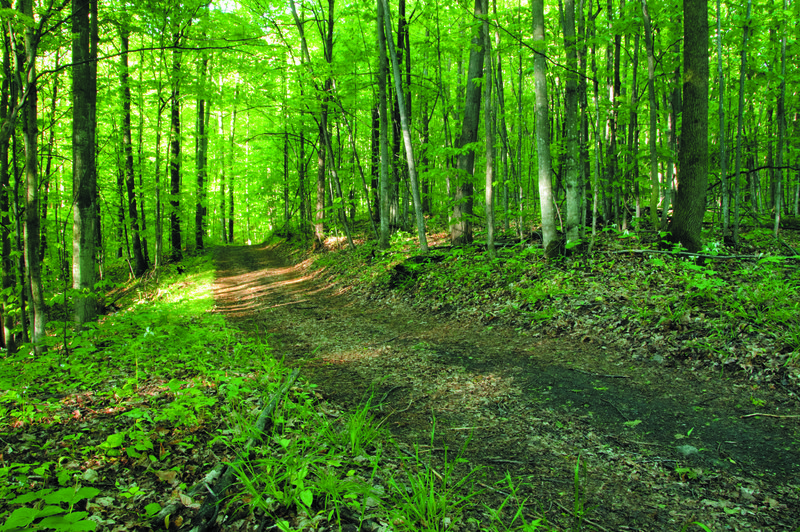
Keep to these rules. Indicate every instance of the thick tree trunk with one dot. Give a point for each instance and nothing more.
(461, 229)
(690, 202)
(83, 166)
(549, 238)
(571, 122)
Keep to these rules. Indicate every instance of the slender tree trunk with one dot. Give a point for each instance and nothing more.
(461, 229)
(384, 127)
(723, 157)
(7, 100)
(489, 123)
(412, 171)
(690, 202)
(139, 264)
(83, 166)
(781, 112)
(651, 94)
(175, 156)
(46, 178)
(201, 158)
(549, 238)
(222, 178)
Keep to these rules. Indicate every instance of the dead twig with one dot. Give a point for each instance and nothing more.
(768, 415)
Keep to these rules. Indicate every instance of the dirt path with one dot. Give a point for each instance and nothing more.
(663, 447)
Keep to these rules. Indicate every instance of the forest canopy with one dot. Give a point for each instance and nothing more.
(134, 133)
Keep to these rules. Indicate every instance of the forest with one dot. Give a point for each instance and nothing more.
(616, 183)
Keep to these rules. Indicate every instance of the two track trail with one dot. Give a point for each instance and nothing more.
(663, 447)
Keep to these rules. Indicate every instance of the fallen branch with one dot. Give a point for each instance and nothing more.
(768, 415)
(207, 514)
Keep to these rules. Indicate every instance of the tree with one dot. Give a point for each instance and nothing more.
(652, 136)
(549, 237)
(571, 119)
(384, 128)
(84, 178)
(740, 127)
(461, 228)
(175, 153)
(139, 264)
(412, 171)
(690, 201)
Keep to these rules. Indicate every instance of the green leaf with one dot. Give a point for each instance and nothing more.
(20, 518)
(152, 509)
(307, 497)
(113, 440)
(70, 495)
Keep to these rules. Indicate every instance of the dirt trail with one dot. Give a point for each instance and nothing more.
(662, 447)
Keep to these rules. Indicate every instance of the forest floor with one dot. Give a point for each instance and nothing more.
(603, 427)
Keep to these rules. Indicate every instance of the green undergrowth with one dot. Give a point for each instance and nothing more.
(732, 314)
(116, 428)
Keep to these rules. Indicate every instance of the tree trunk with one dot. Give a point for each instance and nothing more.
(7, 100)
(651, 99)
(139, 264)
(201, 156)
(83, 167)
(412, 171)
(461, 229)
(549, 237)
(384, 127)
(726, 197)
(781, 112)
(175, 156)
(690, 201)
(571, 120)
(489, 127)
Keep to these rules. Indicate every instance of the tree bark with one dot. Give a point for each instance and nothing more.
(201, 157)
(7, 100)
(83, 167)
(651, 99)
(489, 124)
(549, 237)
(384, 128)
(781, 115)
(461, 229)
(139, 264)
(690, 201)
(175, 156)
(723, 157)
(571, 120)
(739, 129)
(412, 171)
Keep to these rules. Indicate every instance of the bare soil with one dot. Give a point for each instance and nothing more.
(663, 447)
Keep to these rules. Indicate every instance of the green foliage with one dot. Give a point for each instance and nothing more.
(52, 510)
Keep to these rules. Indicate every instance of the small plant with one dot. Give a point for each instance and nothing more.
(428, 499)
(52, 510)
